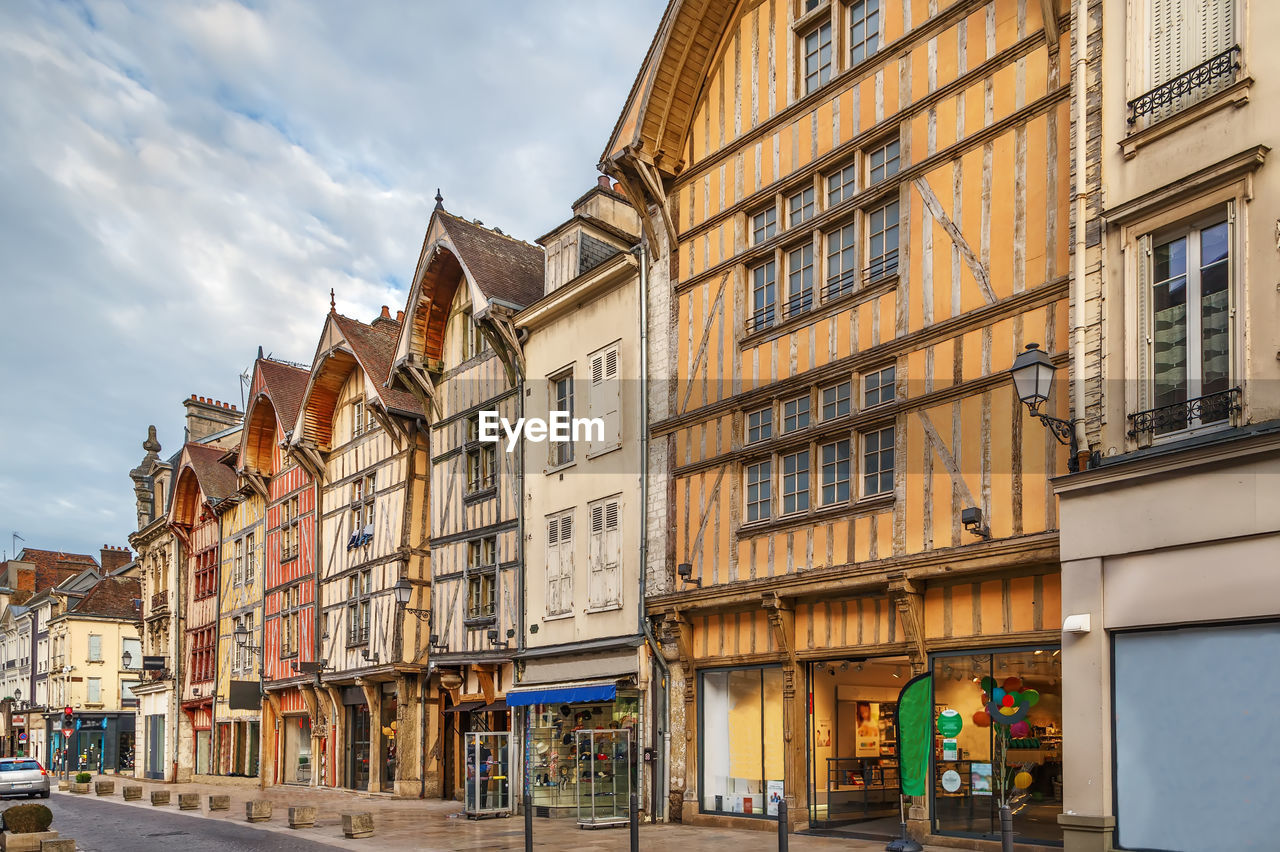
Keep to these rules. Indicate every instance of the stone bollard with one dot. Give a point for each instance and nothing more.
(64, 786)
(132, 792)
(220, 803)
(302, 817)
(159, 797)
(188, 801)
(29, 842)
(259, 810)
(61, 844)
(357, 825)
(105, 788)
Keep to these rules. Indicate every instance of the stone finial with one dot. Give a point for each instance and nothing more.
(151, 445)
(439, 199)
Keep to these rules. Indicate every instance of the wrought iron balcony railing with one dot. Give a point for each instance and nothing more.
(1201, 411)
(761, 319)
(1225, 64)
(881, 267)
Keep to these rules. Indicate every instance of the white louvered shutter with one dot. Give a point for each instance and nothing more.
(566, 562)
(604, 400)
(606, 552)
(553, 566)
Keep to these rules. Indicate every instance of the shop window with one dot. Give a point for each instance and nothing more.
(760, 425)
(764, 294)
(817, 58)
(967, 763)
(740, 738)
(557, 778)
(877, 462)
(864, 30)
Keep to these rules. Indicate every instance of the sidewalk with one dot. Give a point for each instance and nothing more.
(431, 825)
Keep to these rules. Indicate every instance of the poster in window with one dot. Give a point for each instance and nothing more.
(980, 783)
(774, 791)
(866, 729)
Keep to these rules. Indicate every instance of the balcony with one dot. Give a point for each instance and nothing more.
(1187, 88)
(159, 602)
(1201, 411)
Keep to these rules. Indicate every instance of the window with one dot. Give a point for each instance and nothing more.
(764, 225)
(763, 296)
(836, 400)
(290, 604)
(363, 491)
(741, 737)
(800, 207)
(877, 387)
(604, 400)
(237, 563)
(883, 162)
(604, 554)
(842, 184)
(133, 647)
(482, 564)
(250, 559)
(358, 418)
(877, 462)
(561, 400)
(759, 490)
(95, 648)
(864, 30)
(1185, 35)
(289, 528)
(359, 588)
(842, 261)
(882, 242)
(799, 280)
(817, 58)
(473, 340)
(560, 563)
(204, 581)
(795, 482)
(203, 645)
(1190, 339)
(760, 425)
(835, 472)
(795, 413)
(95, 690)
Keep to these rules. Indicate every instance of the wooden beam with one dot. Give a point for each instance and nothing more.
(908, 597)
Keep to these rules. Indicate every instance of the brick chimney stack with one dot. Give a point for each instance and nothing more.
(206, 417)
(384, 317)
(112, 557)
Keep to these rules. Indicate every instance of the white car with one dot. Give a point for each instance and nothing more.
(23, 776)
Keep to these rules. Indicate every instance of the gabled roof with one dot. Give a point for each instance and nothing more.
(374, 347)
(280, 388)
(112, 597)
(202, 478)
(503, 267)
(55, 558)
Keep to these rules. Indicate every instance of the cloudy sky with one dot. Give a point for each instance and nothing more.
(181, 182)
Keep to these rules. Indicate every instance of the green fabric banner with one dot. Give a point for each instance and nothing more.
(915, 734)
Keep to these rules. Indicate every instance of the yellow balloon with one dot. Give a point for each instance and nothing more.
(1022, 780)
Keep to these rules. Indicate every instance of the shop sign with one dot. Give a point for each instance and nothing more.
(950, 723)
(19, 721)
(950, 751)
(951, 781)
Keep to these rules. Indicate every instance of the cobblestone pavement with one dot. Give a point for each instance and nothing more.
(428, 825)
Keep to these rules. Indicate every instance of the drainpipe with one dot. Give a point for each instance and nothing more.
(658, 689)
(1080, 75)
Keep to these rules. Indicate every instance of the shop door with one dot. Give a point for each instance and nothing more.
(253, 749)
(125, 752)
(449, 760)
(155, 747)
(358, 747)
(90, 756)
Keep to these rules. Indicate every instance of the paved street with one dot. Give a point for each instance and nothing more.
(103, 824)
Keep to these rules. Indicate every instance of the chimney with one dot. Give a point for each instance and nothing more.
(400, 317)
(112, 557)
(384, 317)
(603, 182)
(206, 417)
(386, 312)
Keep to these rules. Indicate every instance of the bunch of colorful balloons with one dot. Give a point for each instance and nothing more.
(1006, 703)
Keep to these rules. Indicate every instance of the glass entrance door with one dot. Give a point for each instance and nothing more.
(358, 747)
(155, 746)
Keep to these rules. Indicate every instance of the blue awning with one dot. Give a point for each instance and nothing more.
(572, 692)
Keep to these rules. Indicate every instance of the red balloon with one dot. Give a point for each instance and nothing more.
(982, 719)
(1012, 684)
(1008, 701)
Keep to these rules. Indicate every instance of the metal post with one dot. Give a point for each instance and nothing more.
(528, 821)
(1006, 829)
(783, 840)
(635, 822)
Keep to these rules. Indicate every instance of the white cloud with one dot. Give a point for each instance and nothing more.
(182, 183)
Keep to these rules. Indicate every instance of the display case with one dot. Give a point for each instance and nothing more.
(488, 784)
(604, 776)
(551, 748)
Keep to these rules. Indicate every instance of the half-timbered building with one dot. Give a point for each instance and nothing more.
(366, 445)
(857, 213)
(293, 749)
(458, 352)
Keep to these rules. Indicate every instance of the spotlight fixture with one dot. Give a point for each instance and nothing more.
(685, 572)
(972, 520)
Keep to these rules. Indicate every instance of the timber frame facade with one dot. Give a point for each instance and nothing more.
(848, 250)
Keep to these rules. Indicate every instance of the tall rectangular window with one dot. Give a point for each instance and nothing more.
(817, 58)
(800, 207)
(835, 472)
(760, 425)
(560, 563)
(1185, 34)
(883, 162)
(561, 400)
(864, 30)
(795, 482)
(604, 554)
(842, 261)
(604, 399)
(95, 648)
(1191, 333)
(882, 241)
(250, 558)
(740, 722)
(877, 462)
(237, 563)
(763, 296)
(800, 280)
(764, 225)
(357, 418)
(759, 490)
(95, 690)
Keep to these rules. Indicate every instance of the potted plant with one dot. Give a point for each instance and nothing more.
(81, 784)
(25, 827)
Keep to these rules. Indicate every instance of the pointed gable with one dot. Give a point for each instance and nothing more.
(202, 478)
(272, 411)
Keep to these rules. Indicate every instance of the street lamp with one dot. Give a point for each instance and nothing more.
(403, 590)
(241, 635)
(1032, 373)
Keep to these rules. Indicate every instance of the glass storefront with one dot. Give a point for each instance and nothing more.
(968, 775)
(557, 757)
(387, 755)
(202, 747)
(297, 749)
(740, 741)
(853, 740)
(358, 747)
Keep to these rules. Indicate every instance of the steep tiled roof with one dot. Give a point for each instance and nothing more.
(112, 597)
(217, 481)
(375, 348)
(286, 384)
(504, 268)
(56, 558)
